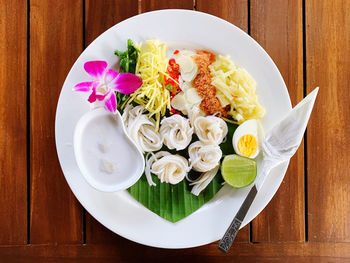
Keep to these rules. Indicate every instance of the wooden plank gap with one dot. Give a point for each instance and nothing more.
(305, 135)
(84, 24)
(28, 121)
(251, 232)
(83, 48)
(248, 17)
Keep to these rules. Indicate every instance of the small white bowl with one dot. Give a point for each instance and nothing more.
(108, 159)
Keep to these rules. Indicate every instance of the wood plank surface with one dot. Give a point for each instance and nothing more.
(235, 12)
(56, 219)
(130, 252)
(99, 16)
(328, 141)
(151, 5)
(13, 116)
(55, 43)
(277, 26)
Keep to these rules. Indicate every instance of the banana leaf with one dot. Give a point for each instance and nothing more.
(175, 202)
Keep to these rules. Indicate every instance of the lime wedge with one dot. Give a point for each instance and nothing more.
(238, 171)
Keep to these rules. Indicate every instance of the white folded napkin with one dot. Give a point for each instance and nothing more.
(283, 140)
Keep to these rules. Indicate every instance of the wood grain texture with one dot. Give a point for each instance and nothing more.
(99, 16)
(277, 26)
(132, 252)
(55, 43)
(13, 111)
(234, 11)
(328, 141)
(151, 5)
(56, 40)
(96, 233)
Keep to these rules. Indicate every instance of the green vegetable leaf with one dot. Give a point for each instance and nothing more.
(175, 202)
(169, 87)
(121, 98)
(128, 58)
(120, 53)
(172, 202)
(227, 147)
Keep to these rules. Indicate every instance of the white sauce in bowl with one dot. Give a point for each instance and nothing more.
(106, 156)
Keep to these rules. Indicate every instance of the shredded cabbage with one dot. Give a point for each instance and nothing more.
(235, 87)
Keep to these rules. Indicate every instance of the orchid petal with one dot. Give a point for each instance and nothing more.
(101, 97)
(110, 75)
(111, 103)
(83, 86)
(93, 96)
(95, 69)
(127, 83)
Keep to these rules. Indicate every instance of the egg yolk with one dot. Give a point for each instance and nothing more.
(247, 145)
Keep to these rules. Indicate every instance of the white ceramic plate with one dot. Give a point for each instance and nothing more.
(119, 211)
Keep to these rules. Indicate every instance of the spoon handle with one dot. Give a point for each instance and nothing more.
(230, 234)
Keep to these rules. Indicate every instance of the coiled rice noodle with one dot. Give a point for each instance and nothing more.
(210, 129)
(204, 157)
(141, 129)
(202, 182)
(168, 167)
(176, 132)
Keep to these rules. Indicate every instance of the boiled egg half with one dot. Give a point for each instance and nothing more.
(245, 139)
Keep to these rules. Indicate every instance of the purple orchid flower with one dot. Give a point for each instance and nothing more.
(105, 82)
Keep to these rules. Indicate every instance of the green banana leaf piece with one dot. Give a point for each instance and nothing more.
(175, 202)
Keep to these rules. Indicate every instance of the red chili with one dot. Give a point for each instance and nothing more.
(172, 110)
(167, 80)
(172, 77)
(176, 67)
(172, 61)
(176, 52)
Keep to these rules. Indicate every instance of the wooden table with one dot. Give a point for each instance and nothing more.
(308, 220)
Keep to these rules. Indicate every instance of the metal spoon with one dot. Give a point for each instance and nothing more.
(279, 144)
